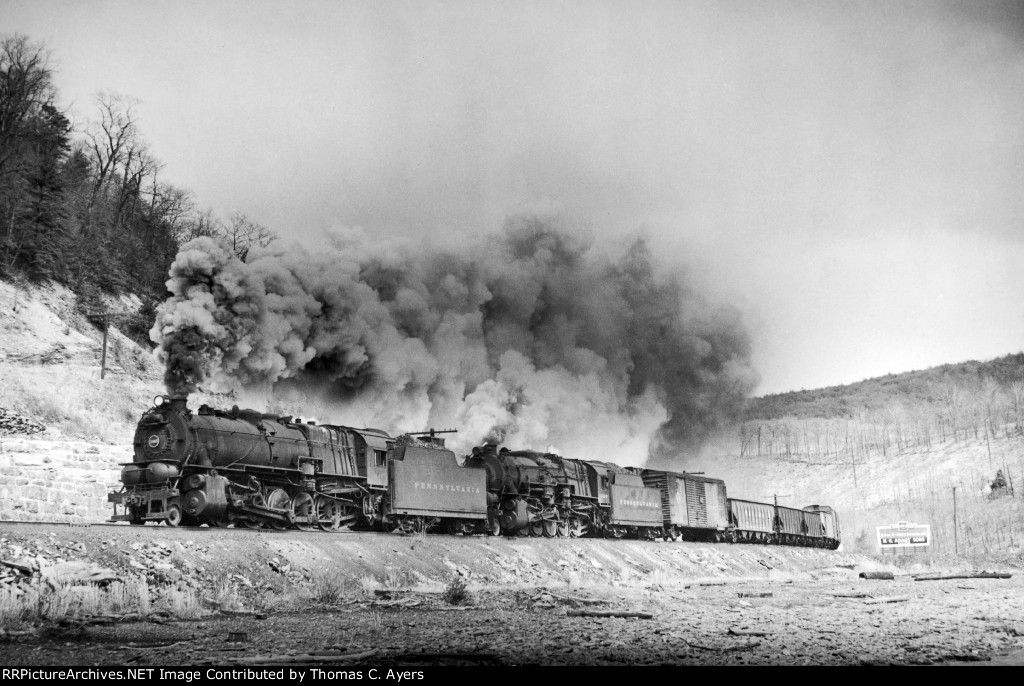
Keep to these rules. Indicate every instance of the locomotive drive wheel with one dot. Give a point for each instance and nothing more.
(563, 529)
(537, 528)
(550, 528)
(278, 499)
(302, 506)
(173, 515)
(328, 513)
(575, 528)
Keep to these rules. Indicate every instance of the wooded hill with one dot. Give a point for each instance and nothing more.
(950, 402)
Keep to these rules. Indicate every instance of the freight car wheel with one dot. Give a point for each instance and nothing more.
(550, 528)
(173, 515)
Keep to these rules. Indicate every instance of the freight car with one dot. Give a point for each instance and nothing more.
(814, 526)
(693, 507)
(251, 469)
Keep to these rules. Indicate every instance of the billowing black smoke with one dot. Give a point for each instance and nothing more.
(534, 337)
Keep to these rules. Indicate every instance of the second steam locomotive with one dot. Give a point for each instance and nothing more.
(249, 469)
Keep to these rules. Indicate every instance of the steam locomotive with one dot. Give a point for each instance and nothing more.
(249, 469)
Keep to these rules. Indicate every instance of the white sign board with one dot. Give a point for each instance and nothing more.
(904, 537)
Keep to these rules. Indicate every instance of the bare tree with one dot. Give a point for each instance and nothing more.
(113, 138)
(25, 86)
(243, 234)
(1017, 397)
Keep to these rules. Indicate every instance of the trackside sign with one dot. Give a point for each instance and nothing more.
(904, 537)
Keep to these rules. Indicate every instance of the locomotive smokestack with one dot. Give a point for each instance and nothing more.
(179, 403)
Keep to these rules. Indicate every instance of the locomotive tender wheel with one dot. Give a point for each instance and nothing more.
(173, 515)
(493, 527)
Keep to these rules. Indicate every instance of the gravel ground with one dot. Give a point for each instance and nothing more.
(737, 622)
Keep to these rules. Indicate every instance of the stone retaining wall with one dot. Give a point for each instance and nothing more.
(58, 481)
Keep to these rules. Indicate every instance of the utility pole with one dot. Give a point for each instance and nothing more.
(105, 315)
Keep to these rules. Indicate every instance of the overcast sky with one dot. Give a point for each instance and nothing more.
(850, 174)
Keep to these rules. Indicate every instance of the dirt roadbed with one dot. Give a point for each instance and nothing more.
(528, 602)
(756, 622)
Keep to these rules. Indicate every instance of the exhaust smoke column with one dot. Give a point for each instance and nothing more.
(533, 336)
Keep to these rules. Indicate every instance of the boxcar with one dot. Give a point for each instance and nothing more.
(692, 507)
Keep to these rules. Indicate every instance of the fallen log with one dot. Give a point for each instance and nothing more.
(482, 657)
(968, 575)
(747, 632)
(722, 649)
(608, 613)
(851, 595)
(890, 599)
(303, 659)
(24, 569)
(592, 601)
(883, 576)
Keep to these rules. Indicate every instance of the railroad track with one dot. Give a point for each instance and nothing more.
(6, 523)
